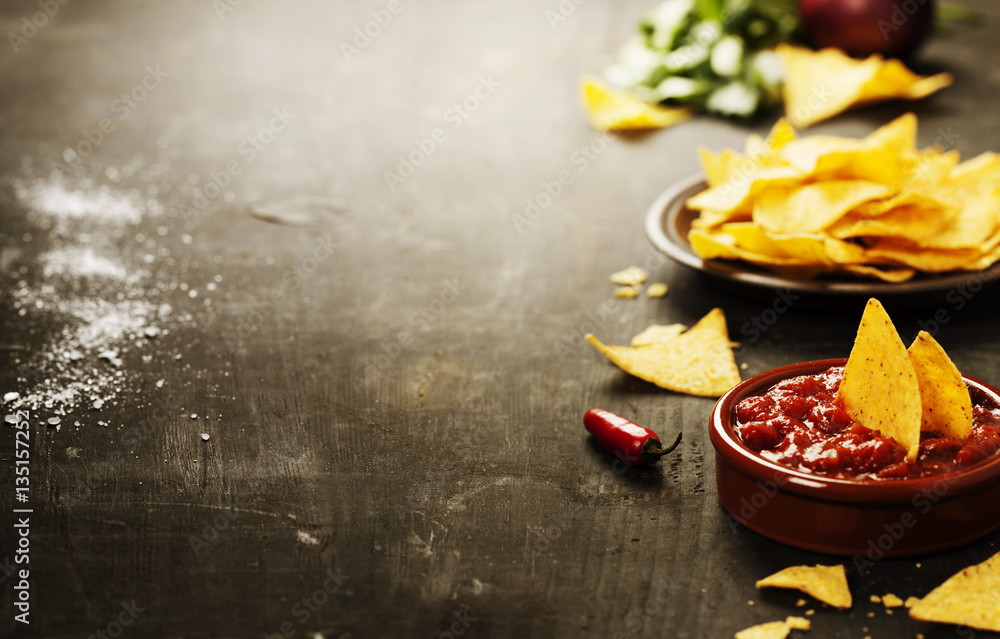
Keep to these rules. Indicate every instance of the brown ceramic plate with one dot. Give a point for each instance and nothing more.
(668, 223)
(867, 519)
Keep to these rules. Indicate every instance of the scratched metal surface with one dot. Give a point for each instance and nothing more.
(365, 420)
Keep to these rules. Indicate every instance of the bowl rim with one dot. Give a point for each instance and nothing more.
(729, 446)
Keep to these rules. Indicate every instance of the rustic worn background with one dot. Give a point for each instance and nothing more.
(392, 394)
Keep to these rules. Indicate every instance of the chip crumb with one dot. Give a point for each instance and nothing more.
(891, 601)
(910, 601)
(810, 612)
(750, 602)
(631, 276)
(875, 599)
(919, 565)
(869, 614)
(744, 366)
(798, 623)
(888, 611)
(656, 289)
(800, 603)
(920, 635)
(627, 292)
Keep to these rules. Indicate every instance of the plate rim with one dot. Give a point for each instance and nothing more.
(666, 208)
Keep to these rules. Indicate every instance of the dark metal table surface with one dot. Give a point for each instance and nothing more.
(364, 420)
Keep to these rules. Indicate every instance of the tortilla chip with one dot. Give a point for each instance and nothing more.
(821, 84)
(969, 598)
(813, 207)
(947, 405)
(719, 166)
(610, 109)
(915, 222)
(655, 333)
(698, 362)
(736, 195)
(878, 273)
(879, 389)
(826, 583)
(774, 629)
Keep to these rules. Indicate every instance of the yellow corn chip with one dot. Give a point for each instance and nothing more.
(932, 260)
(947, 406)
(610, 109)
(826, 583)
(875, 272)
(698, 362)
(719, 166)
(821, 84)
(913, 222)
(736, 195)
(813, 207)
(969, 598)
(879, 389)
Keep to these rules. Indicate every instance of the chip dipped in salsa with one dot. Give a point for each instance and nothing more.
(798, 423)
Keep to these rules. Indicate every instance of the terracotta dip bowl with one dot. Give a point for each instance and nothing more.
(869, 519)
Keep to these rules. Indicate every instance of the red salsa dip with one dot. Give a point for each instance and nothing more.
(797, 423)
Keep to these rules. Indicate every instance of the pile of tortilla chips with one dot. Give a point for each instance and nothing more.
(876, 207)
(821, 84)
(898, 391)
(698, 361)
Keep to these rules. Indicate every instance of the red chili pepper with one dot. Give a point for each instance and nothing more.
(630, 442)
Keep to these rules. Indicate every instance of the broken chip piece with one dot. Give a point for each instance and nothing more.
(891, 601)
(826, 583)
(631, 276)
(656, 289)
(698, 362)
(774, 629)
